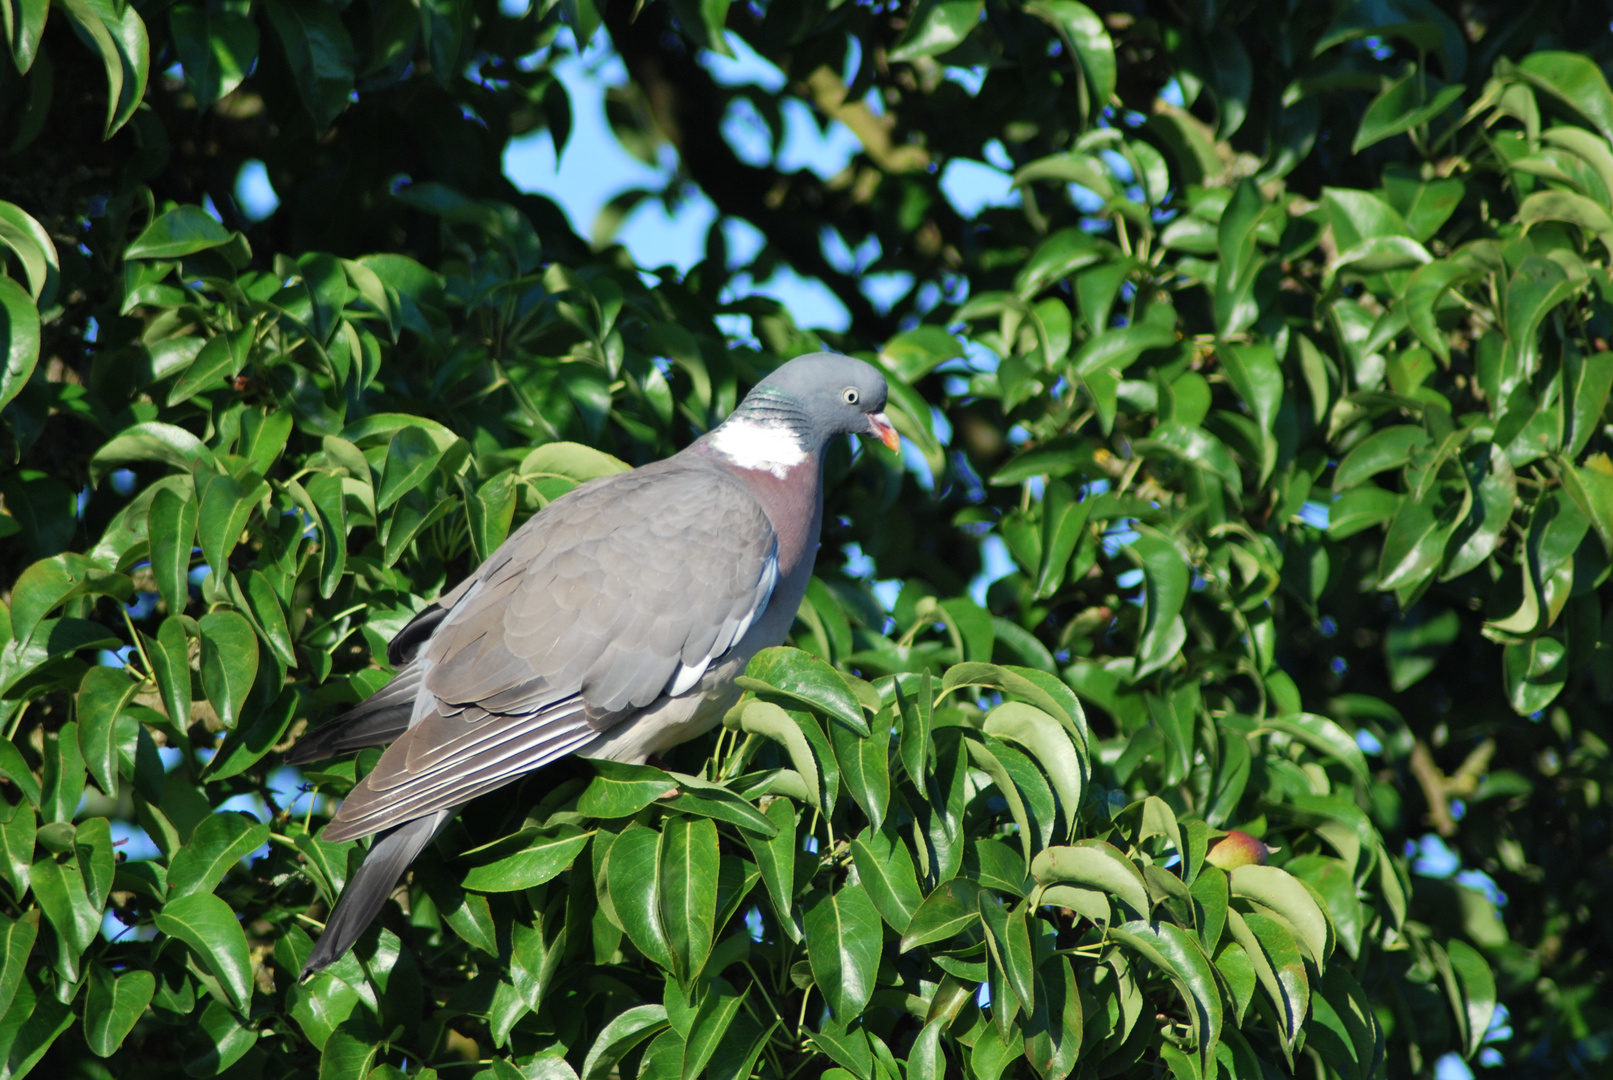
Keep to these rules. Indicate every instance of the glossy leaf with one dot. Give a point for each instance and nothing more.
(885, 871)
(938, 25)
(219, 843)
(229, 662)
(206, 924)
(20, 335)
(844, 934)
(113, 1007)
(804, 678)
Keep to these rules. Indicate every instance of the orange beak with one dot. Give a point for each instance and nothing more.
(879, 426)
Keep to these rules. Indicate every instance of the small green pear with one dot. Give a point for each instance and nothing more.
(1237, 849)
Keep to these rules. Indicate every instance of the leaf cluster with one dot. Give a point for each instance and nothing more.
(1275, 391)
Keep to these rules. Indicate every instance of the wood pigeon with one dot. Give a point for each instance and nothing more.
(610, 625)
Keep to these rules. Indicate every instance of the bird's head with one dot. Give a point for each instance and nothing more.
(828, 395)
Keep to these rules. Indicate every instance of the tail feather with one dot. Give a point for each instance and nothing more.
(366, 891)
(375, 721)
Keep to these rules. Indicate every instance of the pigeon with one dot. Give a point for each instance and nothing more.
(610, 625)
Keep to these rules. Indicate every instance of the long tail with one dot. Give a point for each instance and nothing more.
(375, 721)
(368, 889)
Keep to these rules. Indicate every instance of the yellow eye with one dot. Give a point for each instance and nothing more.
(850, 395)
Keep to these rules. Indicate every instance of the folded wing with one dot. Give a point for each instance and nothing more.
(621, 592)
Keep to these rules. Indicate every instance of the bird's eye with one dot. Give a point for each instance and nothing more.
(850, 395)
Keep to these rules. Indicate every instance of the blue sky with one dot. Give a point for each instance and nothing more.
(594, 168)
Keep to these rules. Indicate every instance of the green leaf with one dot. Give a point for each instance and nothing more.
(113, 1006)
(171, 527)
(1332, 881)
(864, 766)
(1287, 896)
(1046, 741)
(17, 832)
(58, 886)
(1385, 449)
(34, 1022)
(16, 943)
(619, 1036)
(329, 501)
(491, 509)
(1064, 521)
(1574, 79)
(1084, 33)
(229, 663)
(216, 50)
(20, 334)
(48, 583)
(151, 441)
(64, 775)
(1175, 952)
(634, 877)
(410, 458)
(225, 507)
(351, 1049)
(1360, 508)
(259, 602)
(319, 54)
(802, 677)
(1095, 865)
(1278, 967)
(885, 870)
(569, 463)
(92, 842)
(914, 747)
(844, 936)
(914, 353)
(222, 357)
(689, 864)
(765, 718)
(1414, 545)
(246, 745)
(184, 230)
(1401, 107)
(1067, 250)
(1255, 374)
(1008, 941)
(1471, 987)
(1165, 586)
(1414, 643)
(206, 923)
(937, 26)
(24, 28)
(1534, 672)
(543, 858)
(1569, 207)
(1117, 349)
(1425, 205)
(711, 1022)
(219, 843)
(119, 36)
(226, 1041)
(1325, 737)
(714, 801)
(776, 860)
(947, 912)
(169, 653)
(621, 790)
(1424, 290)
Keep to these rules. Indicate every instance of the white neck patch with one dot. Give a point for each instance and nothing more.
(765, 447)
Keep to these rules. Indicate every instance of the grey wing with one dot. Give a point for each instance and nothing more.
(622, 592)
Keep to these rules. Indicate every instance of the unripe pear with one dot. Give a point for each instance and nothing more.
(1237, 849)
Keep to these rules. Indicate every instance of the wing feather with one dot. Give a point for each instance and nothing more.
(622, 591)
